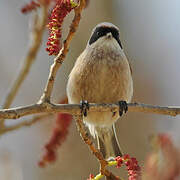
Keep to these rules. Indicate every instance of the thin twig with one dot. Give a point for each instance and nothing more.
(62, 54)
(26, 123)
(74, 109)
(87, 140)
(103, 163)
(37, 34)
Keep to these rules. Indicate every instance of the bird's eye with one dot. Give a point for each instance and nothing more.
(96, 35)
(115, 34)
(99, 33)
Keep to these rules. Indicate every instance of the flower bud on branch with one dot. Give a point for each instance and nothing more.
(33, 5)
(61, 9)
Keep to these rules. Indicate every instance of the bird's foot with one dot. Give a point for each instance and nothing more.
(84, 107)
(123, 107)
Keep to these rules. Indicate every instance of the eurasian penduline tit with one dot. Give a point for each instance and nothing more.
(102, 74)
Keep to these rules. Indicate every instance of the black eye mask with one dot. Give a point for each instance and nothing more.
(102, 31)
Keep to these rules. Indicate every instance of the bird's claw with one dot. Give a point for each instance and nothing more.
(84, 107)
(123, 107)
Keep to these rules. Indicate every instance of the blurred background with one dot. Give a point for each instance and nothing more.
(151, 40)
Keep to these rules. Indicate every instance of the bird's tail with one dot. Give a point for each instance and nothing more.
(107, 142)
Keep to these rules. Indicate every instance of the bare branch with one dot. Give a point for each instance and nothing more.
(74, 109)
(62, 54)
(87, 140)
(37, 34)
(146, 108)
(26, 123)
(103, 163)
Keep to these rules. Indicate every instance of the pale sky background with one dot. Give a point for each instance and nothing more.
(150, 34)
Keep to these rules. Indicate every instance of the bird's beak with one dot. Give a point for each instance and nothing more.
(109, 35)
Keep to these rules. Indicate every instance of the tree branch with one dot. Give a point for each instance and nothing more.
(75, 109)
(62, 54)
(103, 163)
(25, 123)
(39, 24)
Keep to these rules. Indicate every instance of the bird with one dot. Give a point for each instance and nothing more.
(102, 74)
